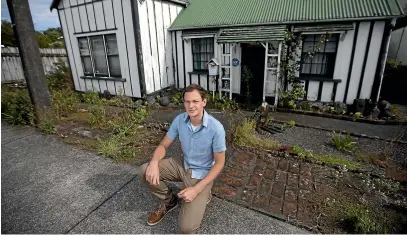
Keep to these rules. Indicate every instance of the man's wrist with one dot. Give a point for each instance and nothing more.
(198, 188)
(153, 162)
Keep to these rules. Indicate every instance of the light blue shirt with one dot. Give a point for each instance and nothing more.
(198, 146)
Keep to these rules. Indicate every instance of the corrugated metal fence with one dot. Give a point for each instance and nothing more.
(11, 66)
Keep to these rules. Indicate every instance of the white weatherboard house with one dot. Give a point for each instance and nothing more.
(143, 46)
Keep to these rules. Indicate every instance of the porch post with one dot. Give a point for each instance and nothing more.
(278, 75)
(265, 71)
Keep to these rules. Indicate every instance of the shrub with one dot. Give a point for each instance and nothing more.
(47, 125)
(64, 102)
(359, 220)
(60, 78)
(16, 106)
(341, 142)
(177, 98)
(91, 97)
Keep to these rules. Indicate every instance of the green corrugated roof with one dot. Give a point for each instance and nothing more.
(252, 34)
(223, 13)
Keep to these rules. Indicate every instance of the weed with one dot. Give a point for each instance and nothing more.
(16, 106)
(109, 147)
(223, 103)
(305, 105)
(357, 115)
(177, 98)
(60, 78)
(341, 142)
(328, 159)
(291, 123)
(387, 186)
(244, 136)
(97, 116)
(64, 102)
(359, 220)
(91, 97)
(395, 110)
(47, 125)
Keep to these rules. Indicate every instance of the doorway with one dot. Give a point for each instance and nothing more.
(253, 55)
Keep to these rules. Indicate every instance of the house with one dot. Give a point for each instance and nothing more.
(122, 46)
(143, 46)
(398, 42)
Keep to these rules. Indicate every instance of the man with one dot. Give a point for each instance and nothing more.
(203, 144)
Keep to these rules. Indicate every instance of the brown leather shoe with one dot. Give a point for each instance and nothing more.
(161, 211)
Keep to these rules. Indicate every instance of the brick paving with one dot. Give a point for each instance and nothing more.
(275, 185)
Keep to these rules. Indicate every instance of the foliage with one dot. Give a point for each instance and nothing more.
(244, 136)
(357, 115)
(291, 123)
(328, 159)
(305, 105)
(97, 116)
(223, 103)
(7, 34)
(64, 102)
(50, 38)
(290, 64)
(16, 106)
(48, 124)
(91, 97)
(343, 143)
(60, 78)
(387, 186)
(359, 220)
(177, 98)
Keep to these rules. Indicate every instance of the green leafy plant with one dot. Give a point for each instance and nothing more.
(177, 98)
(291, 123)
(64, 102)
(60, 78)
(328, 159)
(359, 220)
(91, 97)
(16, 106)
(47, 125)
(341, 142)
(357, 115)
(97, 116)
(305, 105)
(244, 136)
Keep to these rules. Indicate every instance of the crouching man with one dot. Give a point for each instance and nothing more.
(203, 145)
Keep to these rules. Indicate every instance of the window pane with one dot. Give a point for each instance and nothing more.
(308, 46)
(306, 68)
(87, 66)
(330, 47)
(83, 46)
(114, 66)
(111, 45)
(99, 57)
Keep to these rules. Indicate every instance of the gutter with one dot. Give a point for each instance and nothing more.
(290, 22)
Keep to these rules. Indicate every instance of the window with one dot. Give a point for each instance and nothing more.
(202, 52)
(323, 62)
(100, 56)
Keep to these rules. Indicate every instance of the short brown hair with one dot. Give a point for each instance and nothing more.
(195, 87)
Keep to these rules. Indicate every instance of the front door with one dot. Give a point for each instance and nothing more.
(253, 62)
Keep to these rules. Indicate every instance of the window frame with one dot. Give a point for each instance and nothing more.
(92, 58)
(211, 53)
(325, 64)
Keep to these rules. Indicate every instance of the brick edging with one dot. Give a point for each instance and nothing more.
(341, 131)
(341, 117)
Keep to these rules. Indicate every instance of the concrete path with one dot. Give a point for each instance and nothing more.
(50, 187)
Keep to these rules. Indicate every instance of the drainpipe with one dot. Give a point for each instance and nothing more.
(384, 57)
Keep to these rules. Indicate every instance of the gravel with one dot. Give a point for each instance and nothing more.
(319, 142)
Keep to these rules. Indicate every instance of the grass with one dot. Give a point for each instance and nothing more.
(343, 143)
(16, 106)
(244, 136)
(327, 159)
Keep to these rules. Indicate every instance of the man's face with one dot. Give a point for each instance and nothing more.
(193, 103)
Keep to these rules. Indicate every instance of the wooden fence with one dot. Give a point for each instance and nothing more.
(11, 66)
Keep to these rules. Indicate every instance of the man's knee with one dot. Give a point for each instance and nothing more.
(187, 228)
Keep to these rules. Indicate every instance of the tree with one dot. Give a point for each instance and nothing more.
(7, 34)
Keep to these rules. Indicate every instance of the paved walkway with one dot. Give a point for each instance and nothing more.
(50, 187)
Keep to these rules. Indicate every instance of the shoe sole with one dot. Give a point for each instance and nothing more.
(152, 224)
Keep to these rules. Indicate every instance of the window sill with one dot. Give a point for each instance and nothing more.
(321, 79)
(104, 78)
(199, 72)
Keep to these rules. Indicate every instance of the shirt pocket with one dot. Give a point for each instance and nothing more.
(203, 145)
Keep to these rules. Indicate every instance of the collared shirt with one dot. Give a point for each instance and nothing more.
(198, 146)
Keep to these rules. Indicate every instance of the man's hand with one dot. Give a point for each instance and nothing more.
(188, 194)
(153, 174)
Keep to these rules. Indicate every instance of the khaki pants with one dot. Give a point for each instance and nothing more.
(172, 169)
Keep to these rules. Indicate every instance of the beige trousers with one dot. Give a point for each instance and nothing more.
(172, 169)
